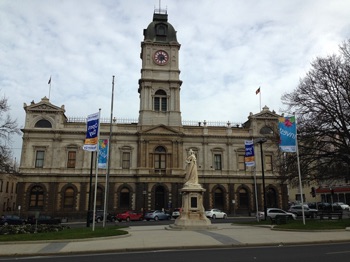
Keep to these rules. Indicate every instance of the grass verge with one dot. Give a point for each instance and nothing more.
(311, 224)
(68, 233)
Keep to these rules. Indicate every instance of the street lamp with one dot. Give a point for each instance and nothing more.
(261, 141)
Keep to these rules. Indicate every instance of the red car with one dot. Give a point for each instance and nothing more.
(129, 216)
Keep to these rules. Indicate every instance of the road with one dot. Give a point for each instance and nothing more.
(159, 222)
(310, 253)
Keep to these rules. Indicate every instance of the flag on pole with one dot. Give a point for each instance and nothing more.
(91, 139)
(102, 153)
(249, 158)
(288, 135)
(257, 91)
(49, 81)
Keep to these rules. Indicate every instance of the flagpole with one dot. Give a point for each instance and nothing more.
(260, 97)
(49, 87)
(299, 172)
(108, 157)
(96, 175)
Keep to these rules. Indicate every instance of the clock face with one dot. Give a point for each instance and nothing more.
(161, 57)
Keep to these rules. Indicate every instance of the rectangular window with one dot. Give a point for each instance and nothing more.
(217, 161)
(126, 160)
(157, 103)
(164, 104)
(71, 159)
(39, 160)
(241, 163)
(268, 163)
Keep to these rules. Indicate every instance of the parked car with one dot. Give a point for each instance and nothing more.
(273, 212)
(129, 216)
(99, 216)
(157, 215)
(308, 212)
(176, 213)
(342, 205)
(11, 220)
(215, 213)
(42, 219)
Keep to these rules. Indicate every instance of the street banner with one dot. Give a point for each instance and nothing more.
(90, 143)
(249, 157)
(288, 134)
(102, 153)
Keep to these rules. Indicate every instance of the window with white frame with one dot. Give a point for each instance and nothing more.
(39, 158)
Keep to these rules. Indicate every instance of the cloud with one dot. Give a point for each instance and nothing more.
(228, 49)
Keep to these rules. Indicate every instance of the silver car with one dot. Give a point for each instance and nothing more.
(273, 212)
(156, 215)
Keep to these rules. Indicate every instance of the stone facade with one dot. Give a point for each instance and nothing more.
(147, 157)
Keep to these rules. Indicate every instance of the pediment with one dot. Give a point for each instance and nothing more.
(160, 129)
(43, 106)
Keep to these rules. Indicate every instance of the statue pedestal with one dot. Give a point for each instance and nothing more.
(192, 216)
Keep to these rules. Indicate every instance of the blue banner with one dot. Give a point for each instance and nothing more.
(90, 143)
(102, 153)
(249, 157)
(288, 134)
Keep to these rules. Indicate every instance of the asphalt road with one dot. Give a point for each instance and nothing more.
(310, 253)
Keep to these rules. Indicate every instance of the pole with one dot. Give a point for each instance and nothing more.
(299, 173)
(263, 176)
(90, 189)
(96, 175)
(108, 159)
(256, 196)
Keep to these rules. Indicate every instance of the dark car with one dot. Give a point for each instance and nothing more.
(298, 210)
(99, 216)
(42, 219)
(11, 220)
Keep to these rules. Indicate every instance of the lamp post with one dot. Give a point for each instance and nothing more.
(261, 141)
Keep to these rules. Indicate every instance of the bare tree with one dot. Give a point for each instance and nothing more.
(322, 105)
(8, 127)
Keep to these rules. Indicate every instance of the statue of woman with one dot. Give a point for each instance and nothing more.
(191, 177)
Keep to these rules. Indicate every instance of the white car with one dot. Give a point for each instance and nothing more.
(215, 213)
(273, 212)
(342, 205)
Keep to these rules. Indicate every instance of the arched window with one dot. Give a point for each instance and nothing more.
(160, 101)
(99, 198)
(243, 198)
(36, 199)
(271, 197)
(159, 159)
(124, 198)
(160, 202)
(43, 123)
(218, 198)
(161, 30)
(68, 197)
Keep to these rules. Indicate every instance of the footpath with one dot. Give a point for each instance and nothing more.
(159, 237)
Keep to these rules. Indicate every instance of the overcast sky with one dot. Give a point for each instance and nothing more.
(228, 49)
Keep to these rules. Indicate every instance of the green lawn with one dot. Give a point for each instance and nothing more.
(310, 224)
(67, 233)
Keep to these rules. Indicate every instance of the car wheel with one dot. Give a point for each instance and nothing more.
(127, 219)
(98, 220)
(6, 224)
(213, 217)
(224, 217)
(156, 218)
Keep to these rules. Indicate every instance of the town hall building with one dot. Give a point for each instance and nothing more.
(147, 157)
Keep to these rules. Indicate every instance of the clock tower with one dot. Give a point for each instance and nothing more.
(159, 86)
